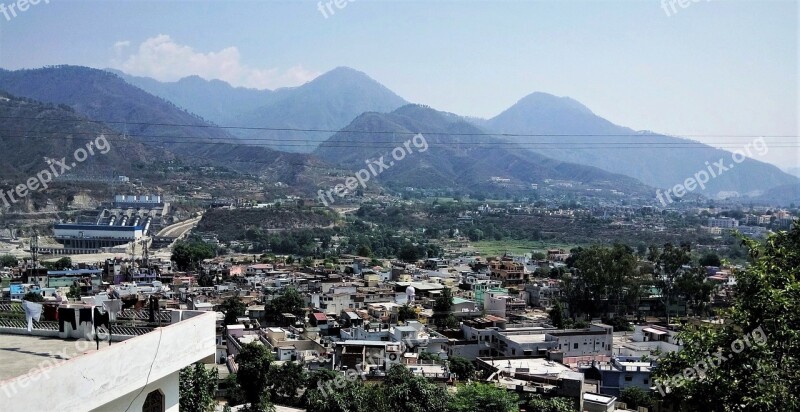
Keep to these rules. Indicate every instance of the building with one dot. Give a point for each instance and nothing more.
(139, 373)
(723, 222)
(507, 271)
(94, 237)
(618, 374)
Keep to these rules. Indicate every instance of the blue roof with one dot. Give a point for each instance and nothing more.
(96, 227)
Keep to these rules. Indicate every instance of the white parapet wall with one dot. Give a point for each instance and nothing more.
(117, 377)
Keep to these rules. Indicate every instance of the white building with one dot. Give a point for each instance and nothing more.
(137, 374)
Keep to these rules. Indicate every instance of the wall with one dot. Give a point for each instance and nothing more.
(99, 378)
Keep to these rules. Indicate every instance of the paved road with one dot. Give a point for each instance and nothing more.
(179, 229)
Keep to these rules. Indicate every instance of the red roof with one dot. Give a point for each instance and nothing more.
(320, 316)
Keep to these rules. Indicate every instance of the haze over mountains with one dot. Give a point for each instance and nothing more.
(561, 138)
(455, 154)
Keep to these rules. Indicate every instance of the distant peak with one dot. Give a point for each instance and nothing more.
(548, 101)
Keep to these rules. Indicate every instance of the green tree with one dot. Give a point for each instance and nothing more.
(33, 297)
(187, 255)
(483, 397)
(462, 367)
(74, 292)
(289, 301)
(8, 261)
(285, 382)
(635, 397)
(197, 385)
(233, 308)
(253, 375)
(710, 259)
(760, 340)
(408, 253)
(557, 315)
(233, 391)
(443, 306)
(345, 396)
(407, 392)
(405, 313)
(63, 264)
(537, 403)
(669, 267)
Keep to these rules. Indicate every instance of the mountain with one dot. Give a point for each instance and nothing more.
(213, 100)
(105, 97)
(37, 133)
(452, 153)
(572, 133)
(794, 171)
(329, 102)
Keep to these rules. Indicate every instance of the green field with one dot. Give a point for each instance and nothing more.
(515, 247)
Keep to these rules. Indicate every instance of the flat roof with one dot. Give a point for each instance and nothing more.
(20, 354)
(527, 338)
(95, 227)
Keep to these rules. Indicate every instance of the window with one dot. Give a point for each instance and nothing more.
(646, 381)
(154, 402)
(628, 378)
(575, 346)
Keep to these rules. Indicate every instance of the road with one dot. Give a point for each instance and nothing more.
(179, 229)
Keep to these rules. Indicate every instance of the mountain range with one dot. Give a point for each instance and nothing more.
(285, 133)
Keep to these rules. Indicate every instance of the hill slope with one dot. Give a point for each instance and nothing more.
(657, 160)
(329, 102)
(454, 156)
(103, 96)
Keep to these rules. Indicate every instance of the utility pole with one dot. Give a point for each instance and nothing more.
(34, 253)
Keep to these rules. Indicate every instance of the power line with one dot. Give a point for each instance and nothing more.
(389, 144)
(316, 130)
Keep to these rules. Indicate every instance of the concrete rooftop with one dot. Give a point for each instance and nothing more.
(20, 354)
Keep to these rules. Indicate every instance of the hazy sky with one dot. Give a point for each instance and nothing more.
(719, 71)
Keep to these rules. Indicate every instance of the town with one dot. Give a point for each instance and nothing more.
(328, 312)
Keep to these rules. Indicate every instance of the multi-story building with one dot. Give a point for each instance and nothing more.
(507, 271)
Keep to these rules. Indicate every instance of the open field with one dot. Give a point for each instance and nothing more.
(515, 247)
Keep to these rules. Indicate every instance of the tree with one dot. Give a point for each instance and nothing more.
(74, 292)
(187, 255)
(253, 375)
(557, 315)
(759, 342)
(63, 264)
(289, 301)
(670, 265)
(408, 253)
(285, 381)
(407, 392)
(443, 306)
(33, 297)
(538, 404)
(462, 367)
(8, 261)
(233, 308)
(710, 259)
(197, 385)
(635, 397)
(483, 397)
(405, 313)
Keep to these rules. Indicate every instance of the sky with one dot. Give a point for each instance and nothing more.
(723, 72)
